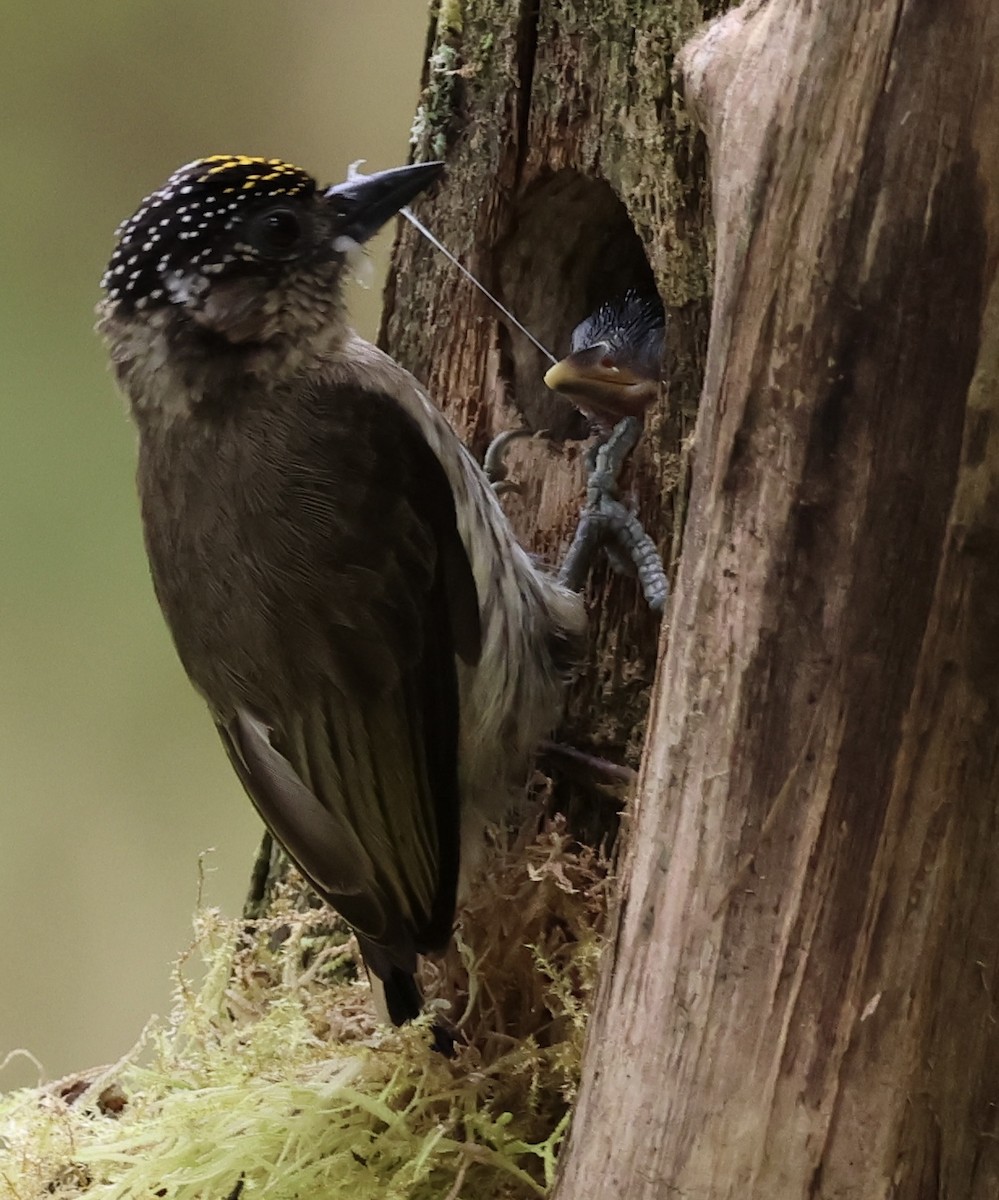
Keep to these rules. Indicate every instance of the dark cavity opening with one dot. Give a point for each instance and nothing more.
(572, 248)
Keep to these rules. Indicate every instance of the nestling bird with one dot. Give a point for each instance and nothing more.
(612, 374)
(614, 365)
(379, 654)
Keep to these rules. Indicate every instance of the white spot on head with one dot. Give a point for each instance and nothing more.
(184, 286)
(344, 244)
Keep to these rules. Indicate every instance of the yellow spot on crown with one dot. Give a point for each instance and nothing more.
(218, 164)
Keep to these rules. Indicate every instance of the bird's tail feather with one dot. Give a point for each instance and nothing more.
(397, 998)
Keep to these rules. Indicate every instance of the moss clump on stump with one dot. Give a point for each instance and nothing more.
(271, 1076)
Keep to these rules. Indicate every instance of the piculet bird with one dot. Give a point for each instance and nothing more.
(614, 366)
(379, 654)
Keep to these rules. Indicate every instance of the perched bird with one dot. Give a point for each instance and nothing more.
(379, 654)
(614, 365)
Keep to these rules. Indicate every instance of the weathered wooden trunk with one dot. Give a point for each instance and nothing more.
(572, 176)
(798, 1000)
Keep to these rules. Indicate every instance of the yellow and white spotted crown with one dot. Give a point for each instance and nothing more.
(182, 226)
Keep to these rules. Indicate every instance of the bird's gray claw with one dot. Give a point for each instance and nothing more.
(634, 545)
(579, 559)
(605, 459)
(494, 463)
(606, 520)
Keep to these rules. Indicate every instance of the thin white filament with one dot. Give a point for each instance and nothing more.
(414, 221)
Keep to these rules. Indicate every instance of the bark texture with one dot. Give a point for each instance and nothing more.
(572, 176)
(800, 997)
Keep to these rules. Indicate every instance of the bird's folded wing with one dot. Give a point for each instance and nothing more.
(340, 865)
(359, 781)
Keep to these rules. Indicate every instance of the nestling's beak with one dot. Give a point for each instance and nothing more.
(602, 383)
(365, 202)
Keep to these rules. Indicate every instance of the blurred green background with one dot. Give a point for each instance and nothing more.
(111, 775)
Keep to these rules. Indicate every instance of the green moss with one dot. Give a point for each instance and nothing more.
(450, 18)
(269, 1078)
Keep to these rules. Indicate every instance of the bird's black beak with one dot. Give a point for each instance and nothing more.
(365, 202)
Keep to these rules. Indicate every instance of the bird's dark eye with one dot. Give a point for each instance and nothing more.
(277, 231)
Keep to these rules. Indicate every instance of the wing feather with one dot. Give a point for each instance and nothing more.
(358, 777)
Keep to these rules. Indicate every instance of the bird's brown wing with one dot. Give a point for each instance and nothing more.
(358, 778)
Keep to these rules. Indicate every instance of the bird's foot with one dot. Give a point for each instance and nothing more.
(605, 458)
(494, 463)
(605, 521)
(445, 1039)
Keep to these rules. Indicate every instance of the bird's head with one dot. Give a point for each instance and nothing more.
(614, 366)
(243, 252)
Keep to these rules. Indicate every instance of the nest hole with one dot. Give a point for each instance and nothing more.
(572, 247)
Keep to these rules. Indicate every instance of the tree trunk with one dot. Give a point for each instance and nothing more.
(798, 1001)
(572, 176)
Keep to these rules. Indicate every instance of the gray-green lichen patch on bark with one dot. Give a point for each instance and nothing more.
(434, 113)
